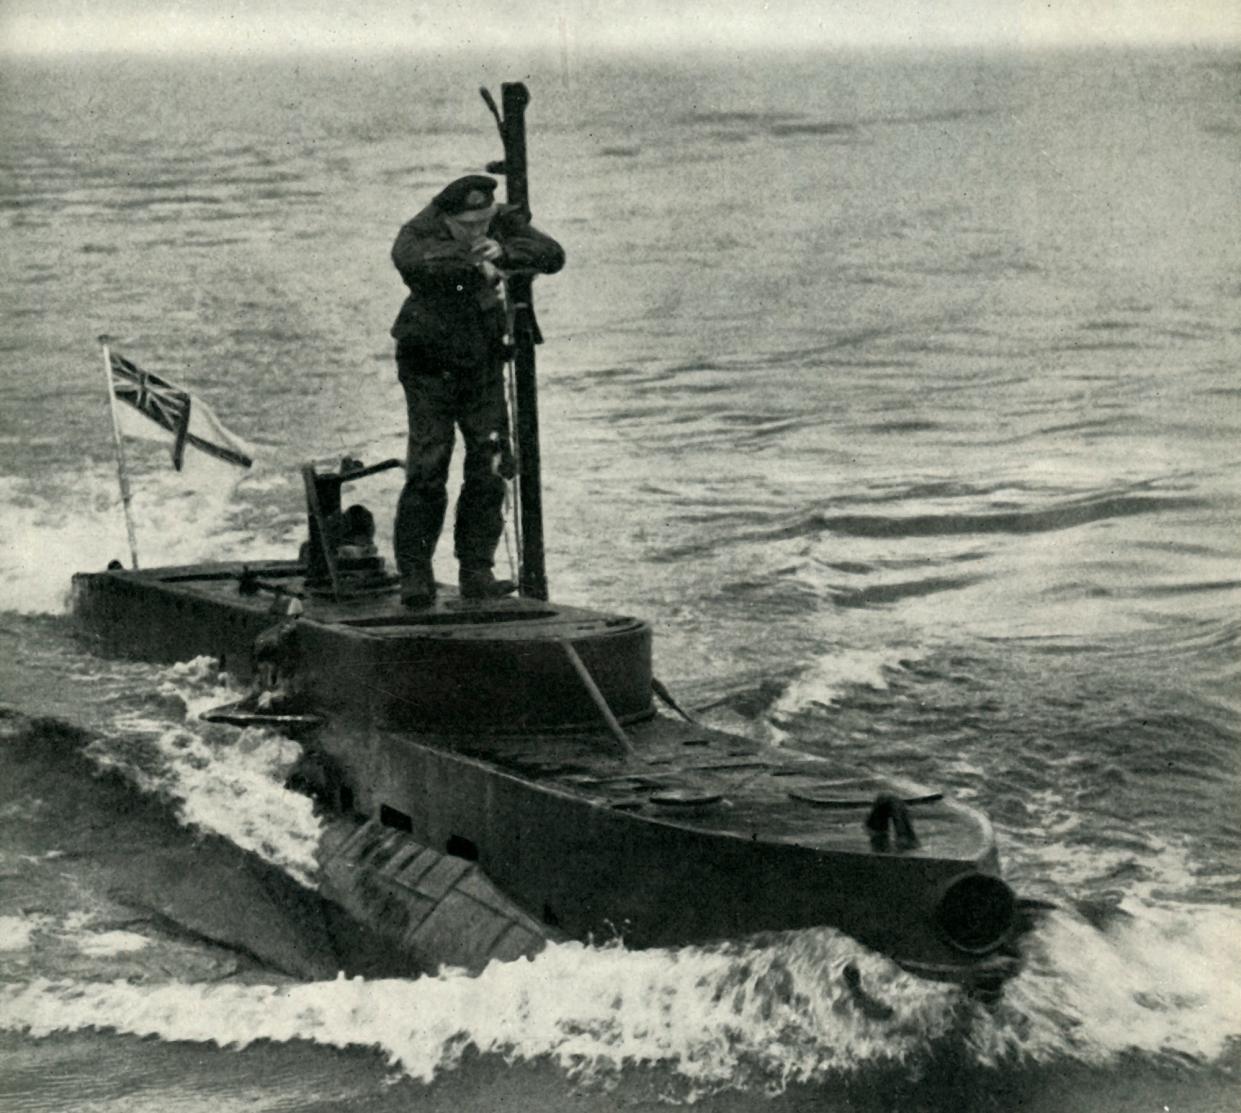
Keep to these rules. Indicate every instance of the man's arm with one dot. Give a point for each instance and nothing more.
(525, 247)
(419, 252)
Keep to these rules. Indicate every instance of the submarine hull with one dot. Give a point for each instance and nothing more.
(465, 730)
(590, 870)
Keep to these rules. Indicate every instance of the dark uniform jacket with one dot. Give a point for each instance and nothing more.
(453, 314)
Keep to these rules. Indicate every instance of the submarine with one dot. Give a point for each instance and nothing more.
(497, 773)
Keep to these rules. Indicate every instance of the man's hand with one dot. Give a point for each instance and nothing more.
(485, 251)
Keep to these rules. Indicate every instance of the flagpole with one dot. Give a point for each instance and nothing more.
(122, 473)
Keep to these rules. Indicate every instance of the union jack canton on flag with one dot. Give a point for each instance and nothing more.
(176, 411)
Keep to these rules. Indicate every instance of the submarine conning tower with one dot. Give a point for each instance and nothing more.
(458, 665)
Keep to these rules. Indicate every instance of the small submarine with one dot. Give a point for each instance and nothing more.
(501, 772)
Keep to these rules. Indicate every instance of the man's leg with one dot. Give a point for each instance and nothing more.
(424, 498)
(483, 417)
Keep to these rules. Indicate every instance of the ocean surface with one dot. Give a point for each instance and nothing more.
(900, 393)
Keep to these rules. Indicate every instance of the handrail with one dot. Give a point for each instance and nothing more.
(588, 681)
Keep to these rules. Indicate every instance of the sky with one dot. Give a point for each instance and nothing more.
(280, 26)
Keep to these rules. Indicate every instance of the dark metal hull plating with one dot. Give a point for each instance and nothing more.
(467, 728)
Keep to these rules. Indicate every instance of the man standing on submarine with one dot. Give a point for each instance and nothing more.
(450, 354)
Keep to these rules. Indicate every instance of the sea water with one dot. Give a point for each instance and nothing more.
(899, 393)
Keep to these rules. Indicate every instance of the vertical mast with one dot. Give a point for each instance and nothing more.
(118, 447)
(514, 98)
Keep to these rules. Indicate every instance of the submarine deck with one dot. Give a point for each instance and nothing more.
(694, 776)
(379, 613)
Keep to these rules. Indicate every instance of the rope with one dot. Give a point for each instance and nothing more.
(512, 489)
(514, 574)
(662, 692)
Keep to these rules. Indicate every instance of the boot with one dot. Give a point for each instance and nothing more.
(480, 583)
(418, 587)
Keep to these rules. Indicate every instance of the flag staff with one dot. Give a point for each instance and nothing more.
(122, 473)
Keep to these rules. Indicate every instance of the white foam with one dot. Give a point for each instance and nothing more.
(226, 781)
(16, 932)
(835, 672)
(51, 532)
(758, 1017)
(1163, 979)
(234, 788)
(198, 684)
(107, 943)
(1164, 866)
(1166, 981)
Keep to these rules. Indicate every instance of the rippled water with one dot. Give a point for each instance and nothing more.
(899, 394)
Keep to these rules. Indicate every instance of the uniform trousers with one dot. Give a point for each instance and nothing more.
(440, 398)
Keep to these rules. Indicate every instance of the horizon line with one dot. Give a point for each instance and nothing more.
(650, 48)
